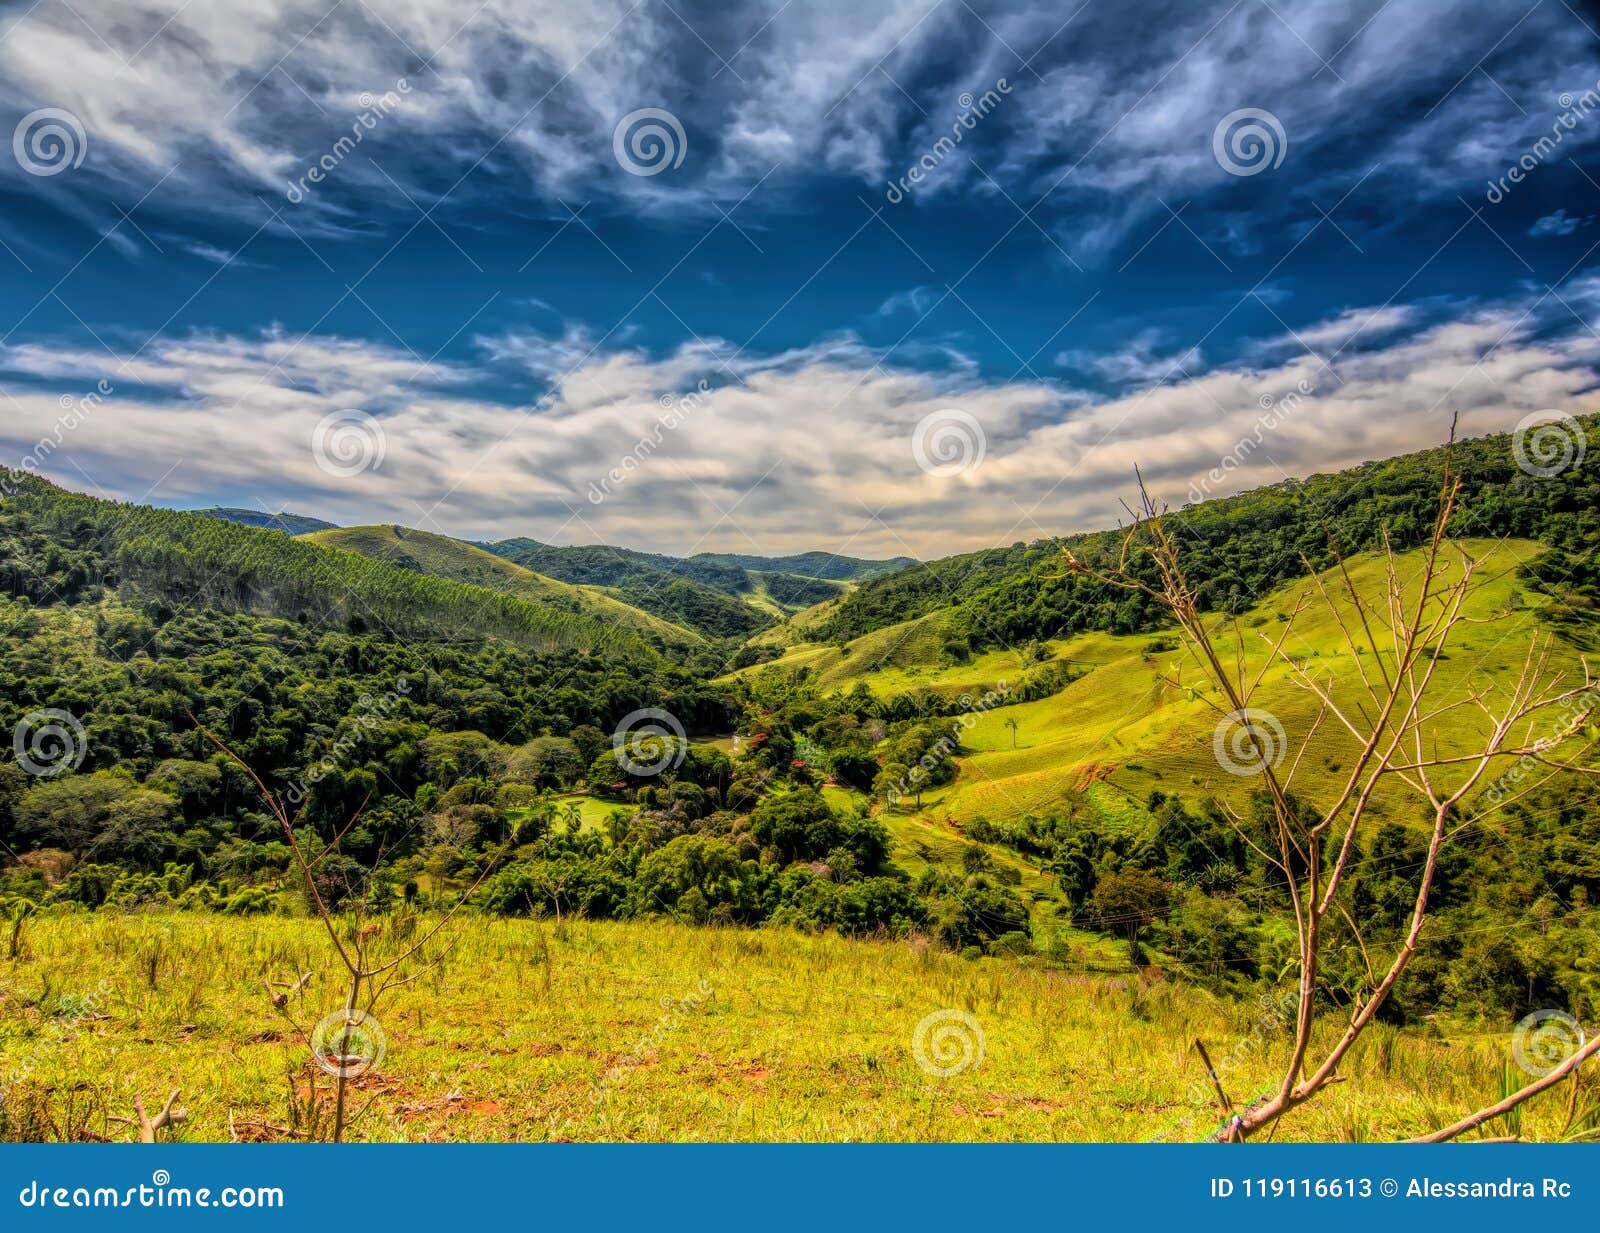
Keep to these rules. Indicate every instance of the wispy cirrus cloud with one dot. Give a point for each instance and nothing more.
(519, 99)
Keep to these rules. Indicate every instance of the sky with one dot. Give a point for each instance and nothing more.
(876, 279)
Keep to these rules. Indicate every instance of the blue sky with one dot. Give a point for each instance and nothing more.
(494, 315)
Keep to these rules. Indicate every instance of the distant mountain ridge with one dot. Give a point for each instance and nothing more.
(611, 566)
(824, 565)
(290, 524)
(719, 594)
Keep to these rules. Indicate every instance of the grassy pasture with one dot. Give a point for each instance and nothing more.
(587, 1031)
(1142, 716)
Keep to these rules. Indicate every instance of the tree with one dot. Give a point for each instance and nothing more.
(1129, 901)
(1011, 722)
(1392, 715)
(546, 762)
(105, 815)
(890, 783)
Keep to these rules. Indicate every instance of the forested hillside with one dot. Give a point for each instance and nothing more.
(1068, 805)
(1239, 548)
(823, 565)
(63, 547)
(705, 597)
(424, 552)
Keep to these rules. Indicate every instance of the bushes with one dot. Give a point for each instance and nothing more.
(864, 906)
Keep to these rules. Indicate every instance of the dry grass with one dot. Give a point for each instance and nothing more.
(533, 1031)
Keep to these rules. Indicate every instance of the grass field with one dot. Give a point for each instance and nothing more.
(652, 1031)
(1142, 716)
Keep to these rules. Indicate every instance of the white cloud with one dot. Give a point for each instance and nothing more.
(809, 448)
(1146, 359)
(1354, 327)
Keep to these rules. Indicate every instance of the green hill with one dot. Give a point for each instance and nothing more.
(442, 557)
(1118, 728)
(66, 544)
(1239, 548)
(703, 596)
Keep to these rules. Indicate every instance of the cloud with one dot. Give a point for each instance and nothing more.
(1339, 333)
(1145, 360)
(915, 301)
(518, 100)
(807, 448)
(1559, 223)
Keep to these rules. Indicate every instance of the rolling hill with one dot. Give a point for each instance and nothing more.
(1136, 719)
(1239, 548)
(706, 597)
(442, 557)
(65, 544)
